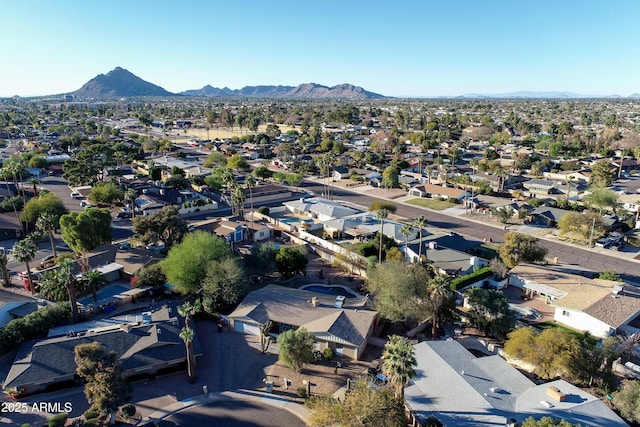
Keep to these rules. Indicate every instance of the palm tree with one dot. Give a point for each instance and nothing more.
(93, 280)
(398, 362)
(420, 222)
(438, 291)
(187, 336)
(429, 171)
(6, 277)
(130, 196)
(381, 214)
(35, 182)
(48, 222)
(406, 231)
(502, 175)
(250, 183)
(25, 251)
(570, 179)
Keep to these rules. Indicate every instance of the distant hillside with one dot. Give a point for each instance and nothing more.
(306, 91)
(531, 94)
(634, 95)
(118, 83)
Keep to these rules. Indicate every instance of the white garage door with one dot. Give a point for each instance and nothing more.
(246, 328)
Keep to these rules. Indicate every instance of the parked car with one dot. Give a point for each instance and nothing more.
(604, 243)
(616, 246)
(123, 215)
(75, 195)
(125, 245)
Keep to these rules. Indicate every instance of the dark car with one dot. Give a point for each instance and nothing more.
(124, 215)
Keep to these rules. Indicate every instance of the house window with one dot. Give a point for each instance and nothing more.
(566, 313)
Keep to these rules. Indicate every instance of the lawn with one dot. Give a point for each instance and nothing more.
(436, 205)
(488, 250)
(579, 335)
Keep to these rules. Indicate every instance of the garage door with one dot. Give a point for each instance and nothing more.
(246, 328)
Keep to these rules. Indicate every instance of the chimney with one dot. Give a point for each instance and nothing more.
(433, 245)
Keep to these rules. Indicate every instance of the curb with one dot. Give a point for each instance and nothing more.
(293, 407)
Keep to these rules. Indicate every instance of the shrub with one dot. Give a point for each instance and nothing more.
(33, 325)
(58, 420)
(461, 282)
(301, 391)
(264, 210)
(328, 353)
(25, 425)
(90, 413)
(91, 422)
(128, 410)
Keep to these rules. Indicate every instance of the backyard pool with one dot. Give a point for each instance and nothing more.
(330, 290)
(105, 294)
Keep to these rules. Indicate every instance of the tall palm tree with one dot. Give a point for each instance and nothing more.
(48, 222)
(186, 334)
(25, 251)
(130, 196)
(438, 291)
(420, 222)
(35, 182)
(381, 214)
(502, 175)
(250, 183)
(399, 362)
(406, 231)
(429, 171)
(570, 179)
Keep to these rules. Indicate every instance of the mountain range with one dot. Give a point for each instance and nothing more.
(121, 83)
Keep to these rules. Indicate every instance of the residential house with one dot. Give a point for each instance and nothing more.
(581, 176)
(143, 348)
(437, 191)
(541, 186)
(340, 172)
(231, 231)
(14, 306)
(319, 208)
(462, 390)
(447, 261)
(546, 216)
(345, 327)
(600, 307)
(364, 225)
(10, 226)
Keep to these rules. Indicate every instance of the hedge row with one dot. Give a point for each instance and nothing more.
(461, 282)
(33, 325)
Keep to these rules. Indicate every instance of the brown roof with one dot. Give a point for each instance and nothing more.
(616, 310)
(438, 189)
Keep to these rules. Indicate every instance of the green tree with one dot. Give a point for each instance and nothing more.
(518, 248)
(295, 348)
(4, 271)
(150, 275)
(262, 173)
(187, 336)
(44, 203)
(406, 231)
(237, 162)
(504, 213)
(25, 251)
(60, 284)
(262, 258)
(85, 231)
(105, 193)
(389, 177)
(48, 223)
(223, 285)
(420, 222)
(93, 280)
(547, 422)
(165, 225)
(38, 162)
(582, 226)
(105, 385)
(363, 406)
(187, 263)
(399, 362)
(290, 261)
(627, 400)
(489, 311)
(610, 275)
(602, 199)
(398, 291)
(438, 289)
(602, 174)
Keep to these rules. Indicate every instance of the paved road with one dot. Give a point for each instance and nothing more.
(234, 413)
(589, 259)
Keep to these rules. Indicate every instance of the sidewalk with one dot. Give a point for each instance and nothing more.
(249, 395)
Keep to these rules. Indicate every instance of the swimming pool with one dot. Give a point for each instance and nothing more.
(104, 294)
(330, 290)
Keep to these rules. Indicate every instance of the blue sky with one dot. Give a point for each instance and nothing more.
(399, 48)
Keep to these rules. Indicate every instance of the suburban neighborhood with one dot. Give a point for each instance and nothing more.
(466, 263)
